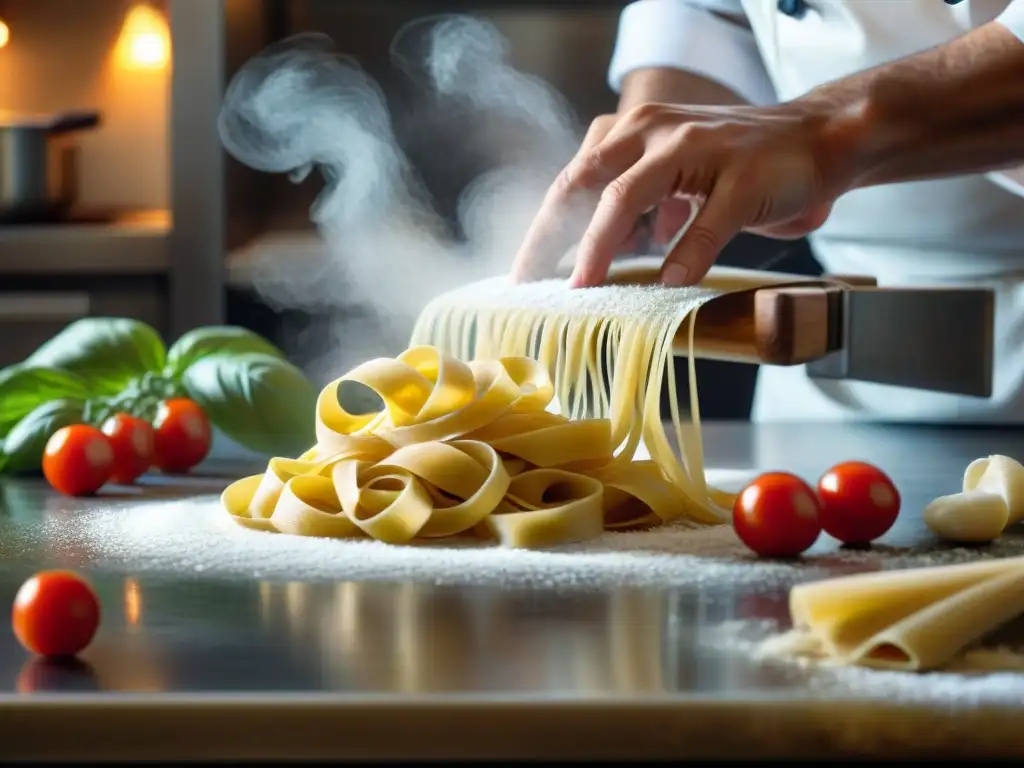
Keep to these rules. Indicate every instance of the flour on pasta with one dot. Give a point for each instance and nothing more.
(621, 301)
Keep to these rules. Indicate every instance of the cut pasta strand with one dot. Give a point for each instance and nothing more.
(609, 353)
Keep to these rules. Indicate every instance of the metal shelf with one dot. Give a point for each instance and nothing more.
(133, 243)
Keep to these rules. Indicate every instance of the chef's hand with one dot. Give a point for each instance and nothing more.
(761, 170)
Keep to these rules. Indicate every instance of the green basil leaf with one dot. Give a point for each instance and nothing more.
(22, 388)
(215, 340)
(23, 446)
(261, 402)
(107, 352)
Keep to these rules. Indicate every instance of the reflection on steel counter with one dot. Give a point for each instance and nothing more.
(416, 638)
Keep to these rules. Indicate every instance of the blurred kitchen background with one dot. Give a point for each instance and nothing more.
(148, 217)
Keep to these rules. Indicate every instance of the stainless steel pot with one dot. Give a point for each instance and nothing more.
(39, 164)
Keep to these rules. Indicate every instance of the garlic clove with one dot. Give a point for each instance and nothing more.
(973, 517)
(974, 472)
(1002, 475)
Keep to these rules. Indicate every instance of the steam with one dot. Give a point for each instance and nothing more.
(299, 106)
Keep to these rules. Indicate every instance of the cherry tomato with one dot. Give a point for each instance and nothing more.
(859, 502)
(777, 515)
(133, 443)
(78, 460)
(56, 613)
(183, 435)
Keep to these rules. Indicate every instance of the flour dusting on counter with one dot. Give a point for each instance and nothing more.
(966, 683)
(196, 536)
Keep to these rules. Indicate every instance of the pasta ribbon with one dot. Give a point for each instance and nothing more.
(457, 448)
(916, 619)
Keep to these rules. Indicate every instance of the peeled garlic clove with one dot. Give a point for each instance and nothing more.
(974, 517)
(974, 472)
(1002, 475)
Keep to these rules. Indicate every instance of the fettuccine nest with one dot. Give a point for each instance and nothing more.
(459, 448)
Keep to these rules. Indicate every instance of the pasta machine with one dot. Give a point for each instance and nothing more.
(843, 327)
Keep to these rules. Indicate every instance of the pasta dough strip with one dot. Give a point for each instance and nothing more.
(912, 619)
(931, 637)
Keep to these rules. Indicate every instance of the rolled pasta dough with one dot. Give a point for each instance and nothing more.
(913, 619)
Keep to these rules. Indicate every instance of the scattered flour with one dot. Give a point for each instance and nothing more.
(630, 301)
(969, 683)
(196, 536)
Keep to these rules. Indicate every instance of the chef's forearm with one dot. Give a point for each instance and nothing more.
(957, 108)
(664, 85)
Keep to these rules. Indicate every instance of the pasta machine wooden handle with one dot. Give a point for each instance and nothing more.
(939, 339)
(785, 325)
(799, 324)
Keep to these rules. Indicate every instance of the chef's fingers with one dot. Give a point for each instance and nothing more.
(622, 203)
(794, 229)
(673, 214)
(599, 128)
(721, 217)
(640, 238)
(570, 202)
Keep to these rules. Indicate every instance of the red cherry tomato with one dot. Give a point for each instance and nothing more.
(78, 460)
(56, 613)
(777, 515)
(183, 435)
(133, 442)
(859, 502)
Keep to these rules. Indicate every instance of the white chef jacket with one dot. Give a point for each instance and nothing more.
(967, 230)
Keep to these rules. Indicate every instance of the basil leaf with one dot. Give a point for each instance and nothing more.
(23, 446)
(215, 340)
(261, 402)
(22, 388)
(107, 352)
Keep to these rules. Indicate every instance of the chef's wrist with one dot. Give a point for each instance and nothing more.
(847, 138)
(957, 108)
(877, 136)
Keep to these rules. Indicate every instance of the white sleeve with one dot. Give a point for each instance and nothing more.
(687, 35)
(1013, 19)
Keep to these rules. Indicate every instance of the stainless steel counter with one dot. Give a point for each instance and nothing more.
(192, 665)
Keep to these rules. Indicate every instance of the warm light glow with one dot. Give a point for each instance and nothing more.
(132, 602)
(5, 34)
(148, 50)
(145, 41)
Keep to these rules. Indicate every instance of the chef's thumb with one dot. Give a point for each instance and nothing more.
(719, 219)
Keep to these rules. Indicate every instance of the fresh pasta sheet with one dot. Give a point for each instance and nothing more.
(916, 619)
(515, 416)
